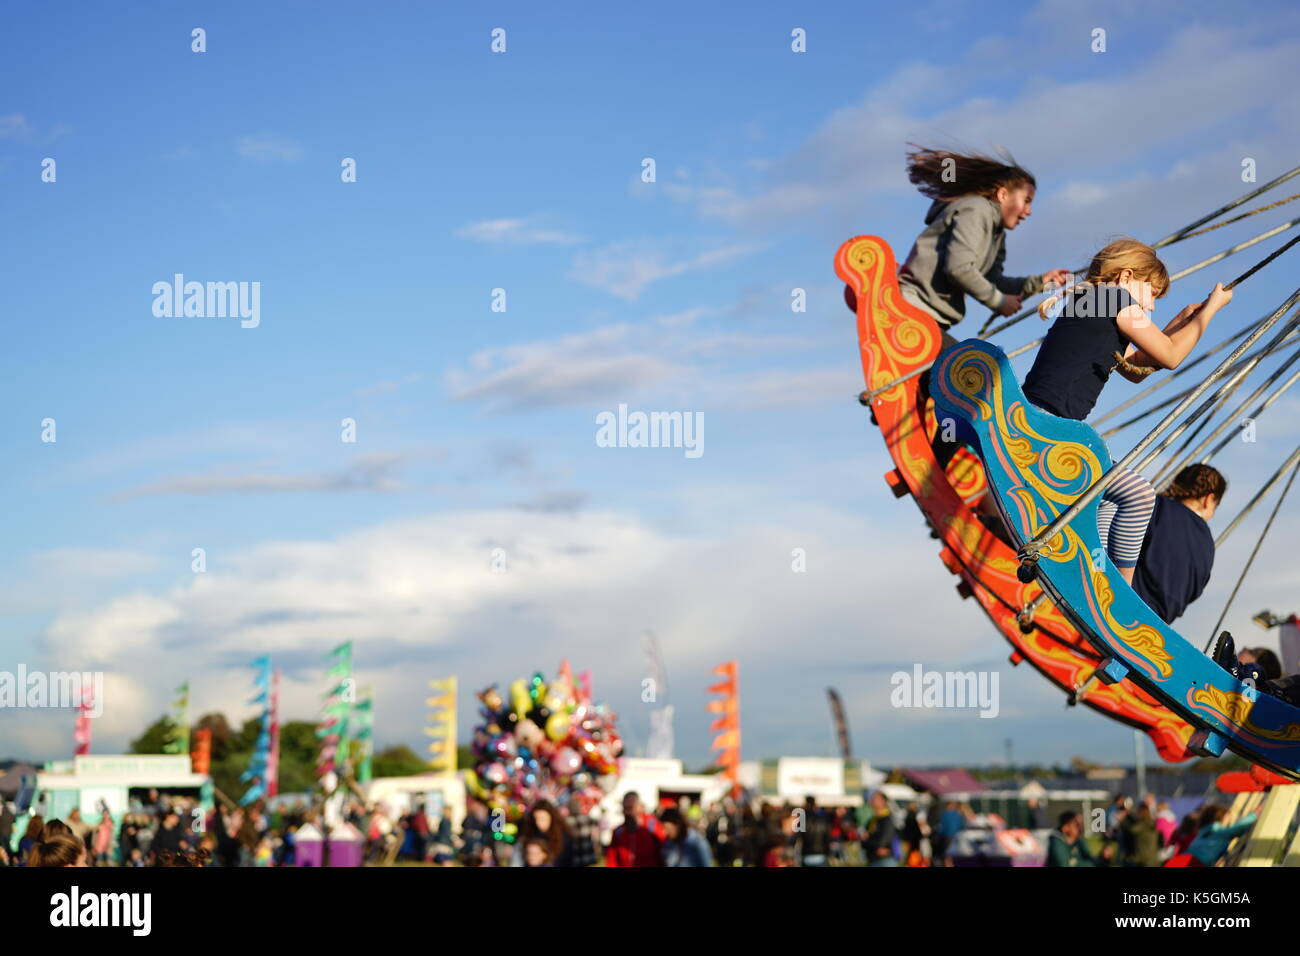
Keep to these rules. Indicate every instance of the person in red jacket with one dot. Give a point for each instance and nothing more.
(632, 844)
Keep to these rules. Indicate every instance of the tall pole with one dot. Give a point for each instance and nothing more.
(1141, 765)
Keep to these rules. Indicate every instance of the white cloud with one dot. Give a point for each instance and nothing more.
(786, 388)
(93, 562)
(516, 232)
(17, 127)
(419, 599)
(269, 148)
(67, 577)
(622, 361)
(573, 369)
(625, 269)
(371, 472)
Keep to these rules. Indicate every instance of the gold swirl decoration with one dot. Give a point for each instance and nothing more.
(1286, 734)
(920, 467)
(1072, 462)
(970, 534)
(862, 256)
(1021, 451)
(1143, 639)
(977, 376)
(966, 475)
(896, 336)
(1065, 461)
(971, 375)
(1234, 708)
(907, 341)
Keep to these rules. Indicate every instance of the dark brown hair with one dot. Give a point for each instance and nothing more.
(553, 836)
(1267, 662)
(57, 849)
(676, 818)
(34, 827)
(538, 841)
(1197, 481)
(941, 174)
(1210, 814)
(55, 827)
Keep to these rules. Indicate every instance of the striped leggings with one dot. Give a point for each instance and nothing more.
(1123, 515)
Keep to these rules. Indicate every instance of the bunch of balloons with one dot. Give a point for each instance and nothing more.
(546, 742)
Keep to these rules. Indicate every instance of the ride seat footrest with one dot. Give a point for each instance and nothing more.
(1111, 671)
(1207, 743)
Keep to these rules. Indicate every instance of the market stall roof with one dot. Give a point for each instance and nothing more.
(940, 782)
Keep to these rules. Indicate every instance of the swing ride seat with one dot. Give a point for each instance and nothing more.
(1037, 465)
(896, 338)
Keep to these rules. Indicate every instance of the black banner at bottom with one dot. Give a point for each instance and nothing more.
(130, 906)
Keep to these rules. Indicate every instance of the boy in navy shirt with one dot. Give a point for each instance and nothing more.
(1178, 550)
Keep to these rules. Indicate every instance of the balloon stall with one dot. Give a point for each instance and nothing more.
(543, 742)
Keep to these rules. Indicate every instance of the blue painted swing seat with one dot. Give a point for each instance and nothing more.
(1038, 465)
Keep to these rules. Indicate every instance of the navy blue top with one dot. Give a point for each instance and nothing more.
(1078, 355)
(1177, 558)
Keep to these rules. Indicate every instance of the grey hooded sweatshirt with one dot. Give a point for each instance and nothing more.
(960, 253)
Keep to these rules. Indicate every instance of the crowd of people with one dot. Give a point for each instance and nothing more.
(1148, 834)
(171, 831)
(682, 834)
(159, 830)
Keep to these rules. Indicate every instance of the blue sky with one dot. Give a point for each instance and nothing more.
(476, 428)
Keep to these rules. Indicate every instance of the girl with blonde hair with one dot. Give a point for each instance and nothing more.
(1104, 324)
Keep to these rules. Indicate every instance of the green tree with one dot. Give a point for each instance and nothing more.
(398, 761)
(152, 740)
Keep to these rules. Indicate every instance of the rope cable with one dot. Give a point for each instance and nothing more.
(1251, 560)
(1244, 215)
(1277, 393)
(1259, 496)
(1182, 233)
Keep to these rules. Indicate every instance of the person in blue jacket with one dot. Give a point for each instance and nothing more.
(683, 844)
(1213, 837)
